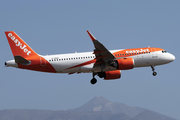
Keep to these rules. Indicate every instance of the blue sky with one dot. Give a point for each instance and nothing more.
(56, 27)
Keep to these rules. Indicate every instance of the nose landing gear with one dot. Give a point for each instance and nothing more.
(154, 73)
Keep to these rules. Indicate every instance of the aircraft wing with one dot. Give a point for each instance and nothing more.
(102, 54)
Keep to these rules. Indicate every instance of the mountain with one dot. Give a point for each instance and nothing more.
(151, 115)
(98, 108)
(101, 104)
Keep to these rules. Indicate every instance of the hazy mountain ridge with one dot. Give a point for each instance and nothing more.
(102, 104)
(98, 108)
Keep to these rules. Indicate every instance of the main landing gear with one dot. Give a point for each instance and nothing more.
(93, 80)
(154, 73)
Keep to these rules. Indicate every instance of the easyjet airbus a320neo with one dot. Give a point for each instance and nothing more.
(102, 62)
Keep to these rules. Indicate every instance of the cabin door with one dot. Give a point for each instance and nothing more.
(43, 62)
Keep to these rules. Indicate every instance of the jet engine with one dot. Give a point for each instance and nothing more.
(124, 64)
(109, 75)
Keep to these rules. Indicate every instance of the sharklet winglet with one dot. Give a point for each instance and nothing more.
(91, 36)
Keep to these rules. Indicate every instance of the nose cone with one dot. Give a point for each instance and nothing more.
(171, 57)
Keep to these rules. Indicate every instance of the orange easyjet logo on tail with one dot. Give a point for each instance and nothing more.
(18, 43)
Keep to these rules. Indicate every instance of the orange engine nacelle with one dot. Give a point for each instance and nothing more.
(125, 63)
(109, 75)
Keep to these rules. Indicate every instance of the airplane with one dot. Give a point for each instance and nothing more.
(102, 62)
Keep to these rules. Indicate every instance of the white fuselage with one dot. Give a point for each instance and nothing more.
(62, 62)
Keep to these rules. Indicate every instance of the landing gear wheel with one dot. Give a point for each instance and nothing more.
(93, 81)
(154, 73)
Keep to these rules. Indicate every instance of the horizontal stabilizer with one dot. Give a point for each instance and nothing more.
(21, 60)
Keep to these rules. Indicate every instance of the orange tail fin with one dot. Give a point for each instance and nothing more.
(18, 46)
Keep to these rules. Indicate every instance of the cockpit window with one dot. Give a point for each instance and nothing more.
(164, 51)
